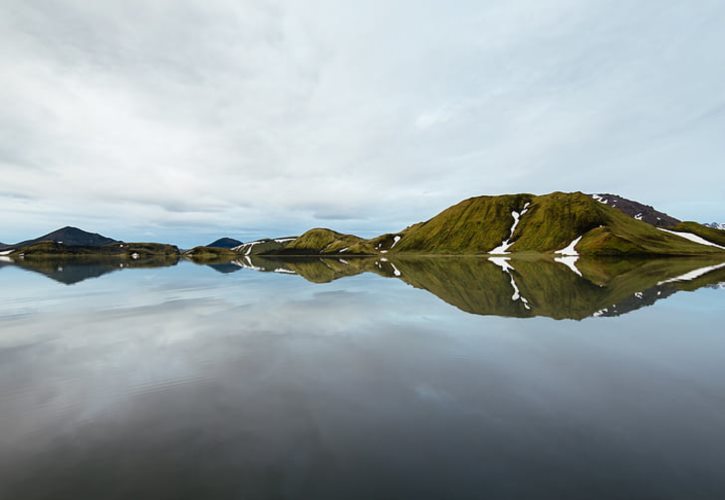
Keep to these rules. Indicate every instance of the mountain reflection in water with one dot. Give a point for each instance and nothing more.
(522, 287)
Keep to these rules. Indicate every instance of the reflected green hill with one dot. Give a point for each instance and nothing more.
(523, 287)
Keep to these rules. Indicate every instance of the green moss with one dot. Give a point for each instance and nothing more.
(473, 226)
(210, 254)
(326, 241)
(118, 251)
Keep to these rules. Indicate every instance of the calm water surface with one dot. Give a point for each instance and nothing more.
(199, 382)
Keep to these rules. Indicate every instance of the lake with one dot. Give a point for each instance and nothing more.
(417, 378)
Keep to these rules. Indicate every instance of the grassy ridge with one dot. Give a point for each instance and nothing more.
(52, 249)
(551, 222)
(326, 241)
(479, 225)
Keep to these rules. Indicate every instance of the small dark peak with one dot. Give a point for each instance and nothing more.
(225, 243)
(637, 210)
(73, 236)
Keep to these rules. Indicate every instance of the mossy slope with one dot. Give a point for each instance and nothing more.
(326, 241)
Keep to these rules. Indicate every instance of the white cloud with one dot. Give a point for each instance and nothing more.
(188, 119)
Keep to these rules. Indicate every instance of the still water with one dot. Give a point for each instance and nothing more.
(370, 379)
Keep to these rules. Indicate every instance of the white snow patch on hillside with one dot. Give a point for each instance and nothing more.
(570, 262)
(600, 199)
(692, 237)
(395, 270)
(6, 252)
(282, 270)
(570, 249)
(246, 263)
(600, 312)
(693, 274)
(638, 216)
(503, 263)
(396, 239)
(505, 244)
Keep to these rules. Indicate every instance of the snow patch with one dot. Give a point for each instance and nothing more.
(6, 252)
(692, 237)
(395, 270)
(396, 239)
(570, 249)
(600, 199)
(282, 270)
(638, 216)
(505, 244)
(693, 274)
(570, 262)
(503, 263)
(600, 312)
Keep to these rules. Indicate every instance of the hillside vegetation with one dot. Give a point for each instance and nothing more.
(541, 224)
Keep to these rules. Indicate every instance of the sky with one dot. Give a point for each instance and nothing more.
(183, 121)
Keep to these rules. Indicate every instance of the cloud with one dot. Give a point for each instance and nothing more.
(264, 116)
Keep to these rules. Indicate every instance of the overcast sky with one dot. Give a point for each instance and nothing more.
(183, 121)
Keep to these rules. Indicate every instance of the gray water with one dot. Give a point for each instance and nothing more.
(422, 380)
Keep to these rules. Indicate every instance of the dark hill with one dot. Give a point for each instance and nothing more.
(637, 210)
(72, 236)
(225, 243)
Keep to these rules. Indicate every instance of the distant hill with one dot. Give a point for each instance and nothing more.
(225, 243)
(322, 240)
(637, 210)
(715, 225)
(565, 223)
(71, 236)
(265, 245)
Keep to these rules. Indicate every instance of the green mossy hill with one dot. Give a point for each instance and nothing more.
(328, 242)
(264, 246)
(716, 236)
(209, 254)
(546, 223)
(473, 226)
(551, 222)
(132, 251)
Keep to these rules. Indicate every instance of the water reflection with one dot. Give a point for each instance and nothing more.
(184, 382)
(522, 287)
